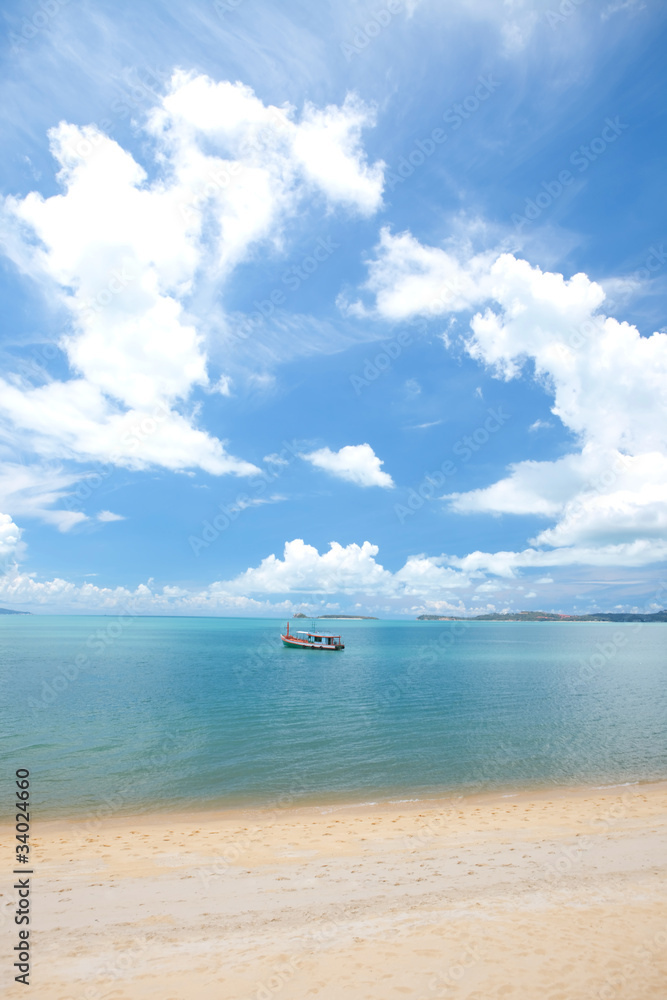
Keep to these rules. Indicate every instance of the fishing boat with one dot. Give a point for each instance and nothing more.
(312, 640)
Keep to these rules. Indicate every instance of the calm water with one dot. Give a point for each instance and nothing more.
(164, 711)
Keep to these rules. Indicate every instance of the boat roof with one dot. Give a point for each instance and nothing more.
(321, 635)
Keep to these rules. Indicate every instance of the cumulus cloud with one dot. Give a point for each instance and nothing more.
(327, 144)
(350, 569)
(436, 583)
(357, 463)
(345, 569)
(10, 540)
(23, 590)
(135, 258)
(409, 279)
(608, 383)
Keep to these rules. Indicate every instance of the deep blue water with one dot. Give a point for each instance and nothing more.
(164, 711)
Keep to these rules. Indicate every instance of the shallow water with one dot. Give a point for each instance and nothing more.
(149, 712)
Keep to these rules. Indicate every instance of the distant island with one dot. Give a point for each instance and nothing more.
(10, 611)
(548, 616)
(354, 618)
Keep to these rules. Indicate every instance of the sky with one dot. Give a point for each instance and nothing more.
(351, 306)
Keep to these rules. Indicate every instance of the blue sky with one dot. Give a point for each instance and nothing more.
(354, 306)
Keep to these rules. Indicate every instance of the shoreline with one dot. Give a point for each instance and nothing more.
(318, 804)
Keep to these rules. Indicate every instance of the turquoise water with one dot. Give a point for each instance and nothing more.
(150, 712)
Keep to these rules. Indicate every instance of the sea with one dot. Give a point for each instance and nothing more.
(127, 714)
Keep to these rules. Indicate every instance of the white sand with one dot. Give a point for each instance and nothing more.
(544, 896)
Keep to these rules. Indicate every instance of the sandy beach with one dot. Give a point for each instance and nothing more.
(557, 895)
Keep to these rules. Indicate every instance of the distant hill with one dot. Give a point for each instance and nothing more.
(548, 616)
(10, 611)
(355, 618)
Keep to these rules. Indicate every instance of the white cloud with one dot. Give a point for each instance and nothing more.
(532, 488)
(10, 540)
(345, 569)
(508, 564)
(75, 420)
(223, 386)
(637, 511)
(423, 427)
(408, 279)
(327, 144)
(436, 582)
(540, 425)
(426, 575)
(32, 490)
(609, 388)
(23, 590)
(136, 262)
(622, 5)
(514, 20)
(275, 459)
(342, 569)
(256, 502)
(108, 515)
(357, 463)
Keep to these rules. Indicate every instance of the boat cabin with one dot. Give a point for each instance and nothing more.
(326, 638)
